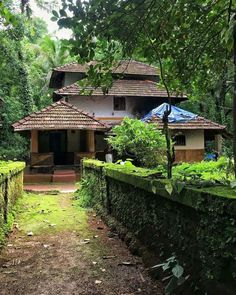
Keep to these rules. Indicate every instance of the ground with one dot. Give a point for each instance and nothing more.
(58, 247)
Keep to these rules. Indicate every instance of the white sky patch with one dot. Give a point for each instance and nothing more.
(52, 26)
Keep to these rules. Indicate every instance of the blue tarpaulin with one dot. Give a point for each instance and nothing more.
(176, 115)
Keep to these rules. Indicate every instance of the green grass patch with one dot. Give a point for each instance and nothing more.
(40, 212)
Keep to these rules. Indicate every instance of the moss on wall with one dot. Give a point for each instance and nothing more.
(198, 225)
(11, 187)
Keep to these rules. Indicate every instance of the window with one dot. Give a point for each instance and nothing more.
(119, 103)
(180, 140)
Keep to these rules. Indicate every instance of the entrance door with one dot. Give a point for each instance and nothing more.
(57, 145)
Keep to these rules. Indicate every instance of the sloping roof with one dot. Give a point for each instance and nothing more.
(180, 119)
(197, 123)
(128, 67)
(59, 115)
(137, 88)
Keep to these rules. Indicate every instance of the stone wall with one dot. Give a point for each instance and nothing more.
(195, 225)
(11, 187)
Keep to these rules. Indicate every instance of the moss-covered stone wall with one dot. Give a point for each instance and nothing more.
(11, 187)
(197, 225)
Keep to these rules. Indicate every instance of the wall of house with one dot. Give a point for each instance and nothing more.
(194, 140)
(102, 106)
(194, 150)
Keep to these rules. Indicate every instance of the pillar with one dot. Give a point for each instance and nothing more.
(90, 141)
(34, 141)
(218, 143)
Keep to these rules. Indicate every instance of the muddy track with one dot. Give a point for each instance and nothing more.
(70, 252)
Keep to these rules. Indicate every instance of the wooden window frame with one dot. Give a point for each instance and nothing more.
(119, 103)
(178, 141)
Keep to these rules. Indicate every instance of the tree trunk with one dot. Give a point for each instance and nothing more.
(234, 100)
(169, 148)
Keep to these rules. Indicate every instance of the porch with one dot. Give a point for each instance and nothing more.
(50, 148)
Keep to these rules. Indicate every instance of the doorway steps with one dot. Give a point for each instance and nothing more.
(60, 175)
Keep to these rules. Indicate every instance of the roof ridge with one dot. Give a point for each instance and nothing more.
(67, 64)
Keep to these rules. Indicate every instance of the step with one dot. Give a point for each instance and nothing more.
(64, 178)
(37, 178)
(64, 172)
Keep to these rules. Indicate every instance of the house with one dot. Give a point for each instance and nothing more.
(74, 125)
(190, 132)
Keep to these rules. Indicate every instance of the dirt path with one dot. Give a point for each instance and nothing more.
(68, 253)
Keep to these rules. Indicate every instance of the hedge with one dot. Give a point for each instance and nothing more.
(11, 187)
(196, 225)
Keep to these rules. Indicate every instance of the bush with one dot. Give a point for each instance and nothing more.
(143, 141)
(207, 170)
(14, 147)
(86, 194)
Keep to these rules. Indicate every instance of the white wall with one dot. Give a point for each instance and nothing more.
(102, 106)
(194, 140)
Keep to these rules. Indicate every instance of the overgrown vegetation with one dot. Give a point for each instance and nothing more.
(142, 141)
(27, 55)
(11, 187)
(222, 169)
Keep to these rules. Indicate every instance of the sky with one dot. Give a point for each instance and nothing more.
(52, 26)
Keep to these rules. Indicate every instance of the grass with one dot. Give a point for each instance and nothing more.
(39, 212)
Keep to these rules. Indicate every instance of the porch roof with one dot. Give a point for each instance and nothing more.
(133, 88)
(59, 115)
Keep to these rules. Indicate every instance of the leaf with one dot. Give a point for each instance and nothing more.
(178, 271)
(179, 186)
(169, 188)
(63, 12)
(55, 13)
(157, 265)
(54, 19)
(233, 184)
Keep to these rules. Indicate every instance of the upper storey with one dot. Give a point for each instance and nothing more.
(127, 69)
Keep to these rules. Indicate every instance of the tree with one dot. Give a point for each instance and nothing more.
(141, 140)
(192, 39)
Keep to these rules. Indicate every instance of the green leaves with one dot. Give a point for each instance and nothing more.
(178, 271)
(142, 141)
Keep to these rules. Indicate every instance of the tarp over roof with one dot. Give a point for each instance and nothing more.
(181, 119)
(59, 115)
(176, 115)
(134, 88)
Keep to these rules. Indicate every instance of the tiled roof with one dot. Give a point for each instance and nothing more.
(128, 67)
(59, 115)
(198, 123)
(138, 88)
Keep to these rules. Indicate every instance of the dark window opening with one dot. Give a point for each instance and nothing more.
(119, 103)
(180, 140)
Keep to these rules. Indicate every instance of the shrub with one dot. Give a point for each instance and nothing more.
(85, 194)
(144, 141)
(208, 170)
